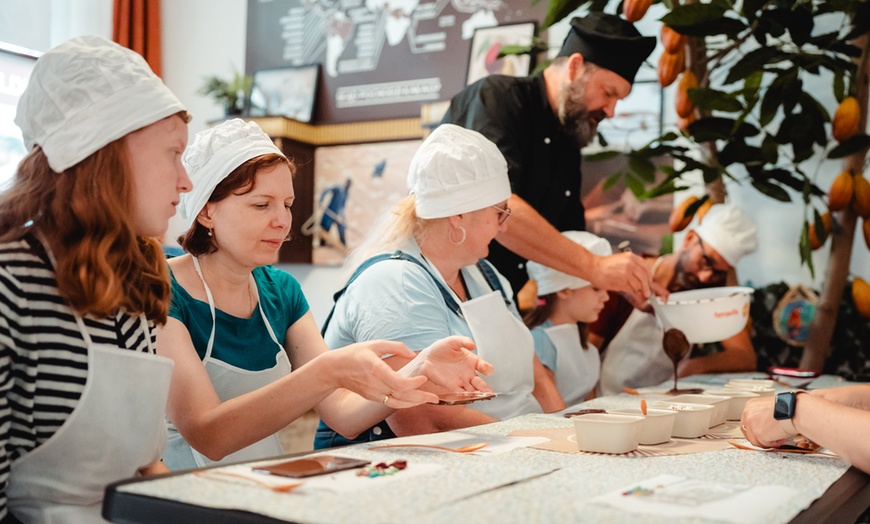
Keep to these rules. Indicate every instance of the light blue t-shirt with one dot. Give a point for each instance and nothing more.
(398, 300)
(544, 347)
(243, 342)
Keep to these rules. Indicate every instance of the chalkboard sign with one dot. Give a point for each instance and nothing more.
(381, 59)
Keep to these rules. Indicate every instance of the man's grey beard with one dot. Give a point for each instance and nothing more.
(577, 121)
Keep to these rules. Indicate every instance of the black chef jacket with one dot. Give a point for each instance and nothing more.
(543, 162)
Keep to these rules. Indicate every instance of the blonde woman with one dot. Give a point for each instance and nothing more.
(428, 279)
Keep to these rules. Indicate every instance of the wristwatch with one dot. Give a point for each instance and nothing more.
(784, 410)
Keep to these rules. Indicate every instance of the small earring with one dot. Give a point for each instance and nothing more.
(209, 232)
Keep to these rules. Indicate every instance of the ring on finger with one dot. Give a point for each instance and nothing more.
(386, 398)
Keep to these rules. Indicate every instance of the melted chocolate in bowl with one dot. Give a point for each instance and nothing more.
(677, 346)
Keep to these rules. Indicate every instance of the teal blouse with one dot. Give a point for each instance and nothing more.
(243, 342)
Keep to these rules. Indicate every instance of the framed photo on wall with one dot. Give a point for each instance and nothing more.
(286, 91)
(354, 185)
(487, 42)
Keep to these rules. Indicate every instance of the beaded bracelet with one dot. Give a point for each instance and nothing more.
(382, 469)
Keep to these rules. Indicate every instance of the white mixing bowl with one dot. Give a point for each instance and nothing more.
(706, 315)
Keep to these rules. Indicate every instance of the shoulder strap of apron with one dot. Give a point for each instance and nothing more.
(492, 279)
(398, 255)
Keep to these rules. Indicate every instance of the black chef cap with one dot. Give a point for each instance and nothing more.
(610, 42)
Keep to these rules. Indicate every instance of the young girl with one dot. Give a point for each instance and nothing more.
(558, 323)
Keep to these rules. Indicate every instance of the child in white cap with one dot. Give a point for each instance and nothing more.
(558, 322)
(248, 357)
(83, 280)
(421, 275)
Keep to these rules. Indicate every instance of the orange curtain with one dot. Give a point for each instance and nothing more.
(136, 25)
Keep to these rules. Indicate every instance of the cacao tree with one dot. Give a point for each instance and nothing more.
(746, 114)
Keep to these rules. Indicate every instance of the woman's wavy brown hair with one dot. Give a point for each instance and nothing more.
(83, 214)
(196, 240)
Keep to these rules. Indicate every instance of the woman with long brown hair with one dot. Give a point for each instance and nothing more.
(83, 281)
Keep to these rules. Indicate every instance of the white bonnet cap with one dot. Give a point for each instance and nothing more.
(550, 281)
(729, 231)
(457, 170)
(86, 93)
(214, 154)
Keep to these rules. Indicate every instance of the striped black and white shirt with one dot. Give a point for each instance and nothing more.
(43, 357)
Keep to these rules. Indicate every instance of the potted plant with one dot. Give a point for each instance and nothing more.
(231, 94)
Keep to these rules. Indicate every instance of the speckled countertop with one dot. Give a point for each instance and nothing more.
(473, 489)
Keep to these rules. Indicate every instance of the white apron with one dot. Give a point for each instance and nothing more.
(577, 369)
(506, 343)
(229, 382)
(635, 357)
(116, 428)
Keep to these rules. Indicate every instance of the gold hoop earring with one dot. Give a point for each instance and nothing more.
(456, 242)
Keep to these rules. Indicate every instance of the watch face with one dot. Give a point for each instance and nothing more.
(784, 407)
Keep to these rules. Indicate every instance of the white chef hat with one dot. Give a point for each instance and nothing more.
(455, 171)
(550, 281)
(214, 154)
(729, 231)
(88, 92)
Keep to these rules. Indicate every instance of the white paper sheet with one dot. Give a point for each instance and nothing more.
(674, 496)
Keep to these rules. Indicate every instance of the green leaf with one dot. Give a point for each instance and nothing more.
(643, 168)
(686, 15)
(839, 86)
(819, 226)
(739, 151)
(708, 99)
(717, 128)
(770, 149)
(798, 22)
(860, 21)
(635, 185)
(601, 155)
(851, 146)
(612, 180)
(559, 9)
(772, 190)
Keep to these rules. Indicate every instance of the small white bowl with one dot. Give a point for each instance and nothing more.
(607, 433)
(692, 421)
(738, 401)
(761, 391)
(706, 315)
(658, 424)
(719, 403)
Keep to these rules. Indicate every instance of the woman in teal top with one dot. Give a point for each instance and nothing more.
(237, 328)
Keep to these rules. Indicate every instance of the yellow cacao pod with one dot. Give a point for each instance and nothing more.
(815, 242)
(840, 193)
(685, 106)
(678, 220)
(635, 9)
(862, 196)
(865, 226)
(702, 211)
(671, 39)
(846, 119)
(861, 296)
(671, 65)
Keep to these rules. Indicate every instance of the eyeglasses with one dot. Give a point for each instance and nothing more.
(710, 264)
(503, 213)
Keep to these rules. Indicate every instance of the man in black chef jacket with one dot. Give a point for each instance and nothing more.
(540, 123)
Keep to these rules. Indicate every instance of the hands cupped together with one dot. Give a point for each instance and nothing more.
(447, 364)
